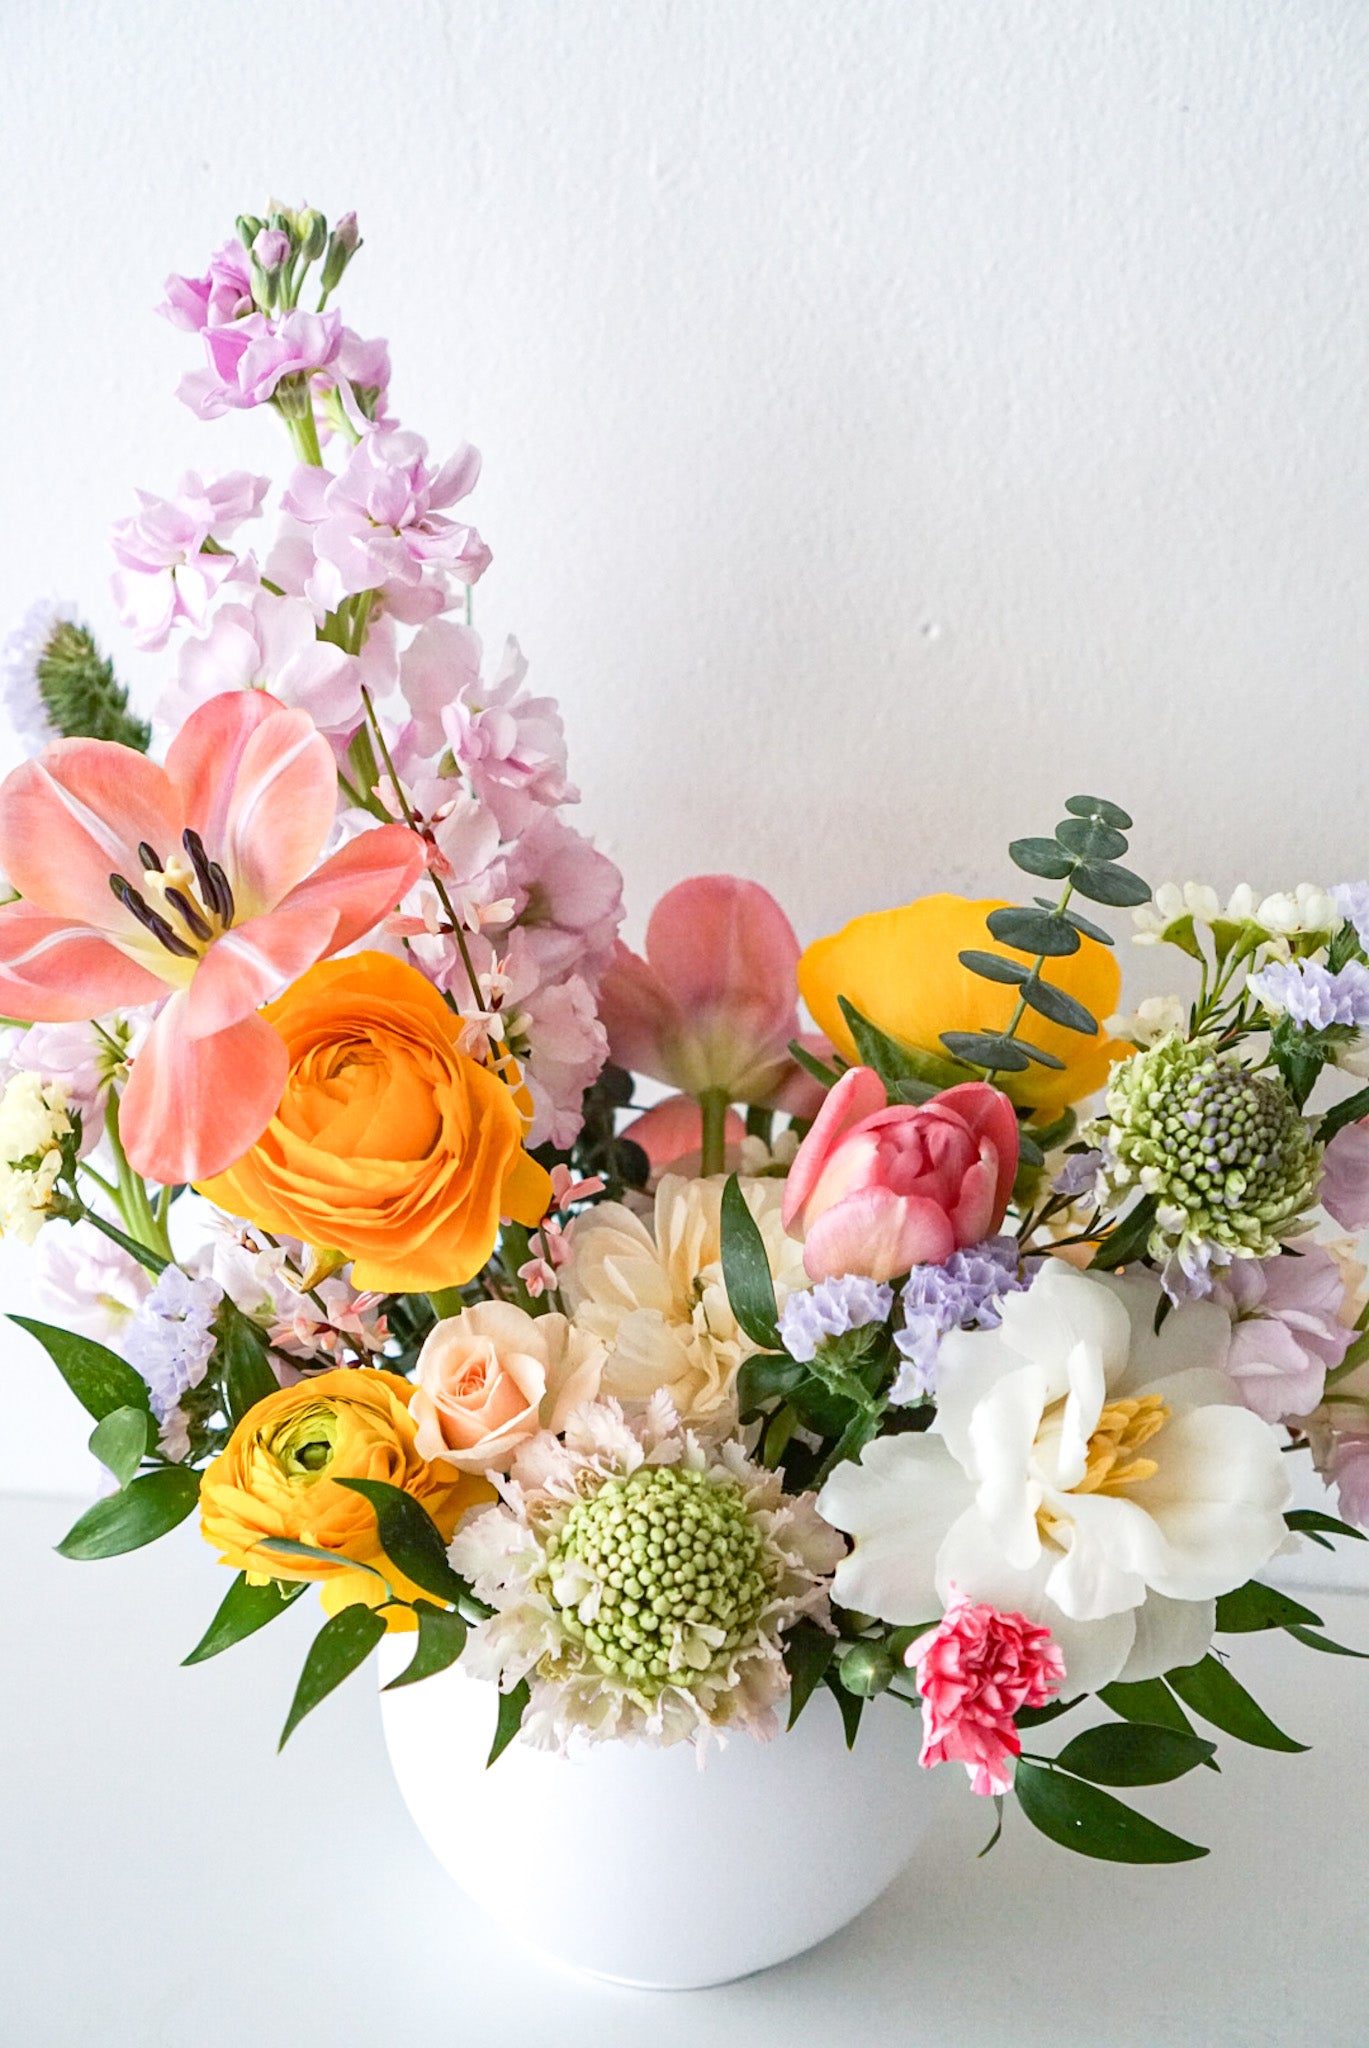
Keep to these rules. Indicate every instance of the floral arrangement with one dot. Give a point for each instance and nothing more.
(950, 1352)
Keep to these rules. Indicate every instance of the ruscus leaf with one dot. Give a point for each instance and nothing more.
(242, 1611)
(441, 1639)
(808, 1653)
(1255, 1606)
(141, 1512)
(121, 1440)
(894, 1062)
(410, 1538)
(1093, 1823)
(1209, 1690)
(746, 1269)
(512, 1706)
(345, 1641)
(1133, 1753)
(97, 1376)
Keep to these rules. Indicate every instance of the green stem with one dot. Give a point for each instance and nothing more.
(131, 1195)
(713, 1107)
(304, 434)
(361, 619)
(144, 1254)
(446, 1301)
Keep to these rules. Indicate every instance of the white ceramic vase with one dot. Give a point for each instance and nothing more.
(636, 1864)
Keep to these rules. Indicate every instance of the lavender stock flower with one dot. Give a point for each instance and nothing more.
(171, 1339)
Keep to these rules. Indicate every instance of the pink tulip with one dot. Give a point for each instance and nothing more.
(877, 1190)
(714, 1004)
(192, 886)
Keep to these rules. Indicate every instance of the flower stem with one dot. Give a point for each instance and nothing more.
(304, 434)
(1020, 1012)
(713, 1107)
(134, 1206)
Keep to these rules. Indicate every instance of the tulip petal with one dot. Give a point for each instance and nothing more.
(260, 787)
(858, 1094)
(76, 815)
(193, 1106)
(58, 972)
(640, 1015)
(204, 758)
(252, 962)
(989, 1114)
(671, 1134)
(362, 881)
(878, 1234)
(718, 941)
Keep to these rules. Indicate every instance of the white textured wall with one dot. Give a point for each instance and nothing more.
(897, 416)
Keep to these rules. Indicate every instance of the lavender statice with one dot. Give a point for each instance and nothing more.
(1352, 901)
(1079, 1174)
(831, 1309)
(964, 1293)
(170, 1342)
(1312, 995)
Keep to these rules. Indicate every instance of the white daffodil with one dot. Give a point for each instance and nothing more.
(1083, 1470)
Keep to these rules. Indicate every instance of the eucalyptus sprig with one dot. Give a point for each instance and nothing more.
(1082, 854)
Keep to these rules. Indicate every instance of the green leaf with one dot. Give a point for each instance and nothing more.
(894, 1062)
(1080, 923)
(1041, 857)
(1255, 1606)
(765, 1377)
(1098, 807)
(1320, 1642)
(242, 1354)
(512, 1706)
(746, 1269)
(817, 1070)
(1214, 1695)
(410, 1538)
(1029, 1153)
(441, 1639)
(1093, 1823)
(1090, 839)
(909, 1090)
(281, 1546)
(121, 1441)
(1148, 1700)
(98, 1377)
(138, 1514)
(1104, 882)
(1062, 1009)
(243, 1610)
(345, 1641)
(1133, 1753)
(1350, 1111)
(1037, 1717)
(995, 967)
(1034, 931)
(1311, 1521)
(808, 1653)
(1129, 1240)
(1035, 1053)
(852, 1706)
(987, 1049)
(992, 1843)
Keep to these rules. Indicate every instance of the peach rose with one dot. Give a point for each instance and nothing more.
(493, 1376)
(390, 1144)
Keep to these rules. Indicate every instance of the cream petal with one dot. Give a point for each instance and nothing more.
(1194, 1334)
(1002, 1431)
(1061, 1309)
(1169, 1634)
(1217, 1499)
(971, 1563)
(1113, 1550)
(1083, 1406)
(898, 1502)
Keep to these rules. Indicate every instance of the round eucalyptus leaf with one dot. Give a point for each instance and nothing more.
(1090, 839)
(1098, 807)
(1041, 857)
(1034, 931)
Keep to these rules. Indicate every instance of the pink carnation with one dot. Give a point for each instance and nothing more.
(976, 1670)
(222, 295)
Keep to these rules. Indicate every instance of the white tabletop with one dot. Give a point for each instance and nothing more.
(167, 1882)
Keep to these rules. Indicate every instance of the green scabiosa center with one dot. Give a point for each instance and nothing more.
(660, 1576)
(1224, 1145)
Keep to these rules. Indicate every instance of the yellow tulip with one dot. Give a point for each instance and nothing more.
(901, 969)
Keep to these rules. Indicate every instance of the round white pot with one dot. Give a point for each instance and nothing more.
(638, 1865)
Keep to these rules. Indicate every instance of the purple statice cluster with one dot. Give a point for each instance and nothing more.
(832, 1308)
(170, 1342)
(965, 1293)
(1352, 901)
(351, 598)
(1311, 995)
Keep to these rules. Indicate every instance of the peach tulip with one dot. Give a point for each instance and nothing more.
(195, 887)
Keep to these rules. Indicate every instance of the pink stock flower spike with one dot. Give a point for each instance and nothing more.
(194, 887)
(714, 1003)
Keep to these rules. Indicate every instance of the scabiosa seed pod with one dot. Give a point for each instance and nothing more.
(1231, 1162)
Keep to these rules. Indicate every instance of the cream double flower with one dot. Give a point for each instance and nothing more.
(1083, 1470)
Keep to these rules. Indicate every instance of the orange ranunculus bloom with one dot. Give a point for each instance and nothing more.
(390, 1145)
(275, 1478)
(901, 969)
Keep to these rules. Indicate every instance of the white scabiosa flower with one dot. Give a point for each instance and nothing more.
(37, 1138)
(1084, 1471)
(643, 1580)
(657, 1300)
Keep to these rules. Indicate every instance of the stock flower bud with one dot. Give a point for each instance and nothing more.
(313, 233)
(271, 249)
(249, 227)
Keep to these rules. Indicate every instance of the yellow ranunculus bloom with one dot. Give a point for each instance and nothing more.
(275, 1477)
(390, 1144)
(901, 969)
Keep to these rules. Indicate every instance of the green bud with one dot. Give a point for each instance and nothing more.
(343, 244)
(249, 227)
(313, 233)
(866, 1669)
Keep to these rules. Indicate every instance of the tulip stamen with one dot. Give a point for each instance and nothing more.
(214, 884)
(188, 911)
(150, 859)
(150, 919)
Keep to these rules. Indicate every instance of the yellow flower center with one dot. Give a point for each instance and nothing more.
(1112, 1458)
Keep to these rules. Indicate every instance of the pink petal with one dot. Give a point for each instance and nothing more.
(252, 962)
(639, 1013)
(362, 881)
(878, 1234)
(671, 1132)
(203, 759)
(57, 972)
(193, 1106)
(858, 1094)
(719, 943)
(280, 812)
(76, 815)
(989, 1114)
